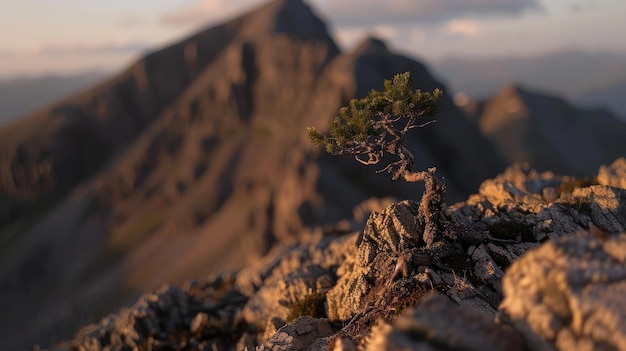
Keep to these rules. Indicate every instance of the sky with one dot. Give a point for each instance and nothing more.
(69, 36)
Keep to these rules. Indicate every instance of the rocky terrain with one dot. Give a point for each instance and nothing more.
(534, 261)
(193, 160)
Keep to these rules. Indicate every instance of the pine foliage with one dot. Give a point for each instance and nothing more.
(370, 127)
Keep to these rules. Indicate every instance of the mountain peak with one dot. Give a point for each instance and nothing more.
(371, 45)
(528, 97)
(292, 17)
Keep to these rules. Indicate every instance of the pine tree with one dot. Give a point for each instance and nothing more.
(378, 124)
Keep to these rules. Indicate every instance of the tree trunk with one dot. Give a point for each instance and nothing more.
(430, 205)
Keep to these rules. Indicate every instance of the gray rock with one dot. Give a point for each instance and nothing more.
(305, 333)
(440, 324)
(387, 234)
(571, 293)
(301, 271)
(154, 314)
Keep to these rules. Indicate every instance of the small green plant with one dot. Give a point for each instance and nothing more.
(311, 305)
(378, 124)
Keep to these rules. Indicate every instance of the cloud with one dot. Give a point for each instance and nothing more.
(204, 11)
(462, 28)
(368, 12)
(345, 13)
(87, 49)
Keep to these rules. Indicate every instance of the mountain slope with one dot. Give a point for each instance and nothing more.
(193, 160)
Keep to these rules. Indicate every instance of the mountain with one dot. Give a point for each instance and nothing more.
(610, 96)
(22, 95)
(194, 160)
(549, 133)
(577, 75)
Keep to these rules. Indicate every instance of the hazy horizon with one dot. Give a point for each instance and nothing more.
(67, 36)
(67, 39)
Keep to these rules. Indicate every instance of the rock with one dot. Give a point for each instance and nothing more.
(570, 292)
(613, 175)
(157, 314)
(440, 324)
(199, 323)
(303, 334)
(513, 211)
(156, 317)
(303, 270)
(386, 235)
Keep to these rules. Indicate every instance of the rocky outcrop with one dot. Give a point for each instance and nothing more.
(440, 324)
(170, 318)
(533, 261)
(613, 175)
(306, 333)
(570, 293)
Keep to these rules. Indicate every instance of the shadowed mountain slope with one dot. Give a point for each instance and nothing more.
(195, 159)
(46, 154)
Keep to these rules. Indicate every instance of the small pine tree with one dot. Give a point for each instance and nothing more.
(378, 124)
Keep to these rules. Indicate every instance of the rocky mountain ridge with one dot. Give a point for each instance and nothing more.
(532, 261)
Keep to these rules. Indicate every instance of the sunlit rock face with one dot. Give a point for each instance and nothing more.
(570, 293)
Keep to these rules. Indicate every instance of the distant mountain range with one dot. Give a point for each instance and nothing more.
(587, 79)
(547, 132)
(19, 96)
(195, 159)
